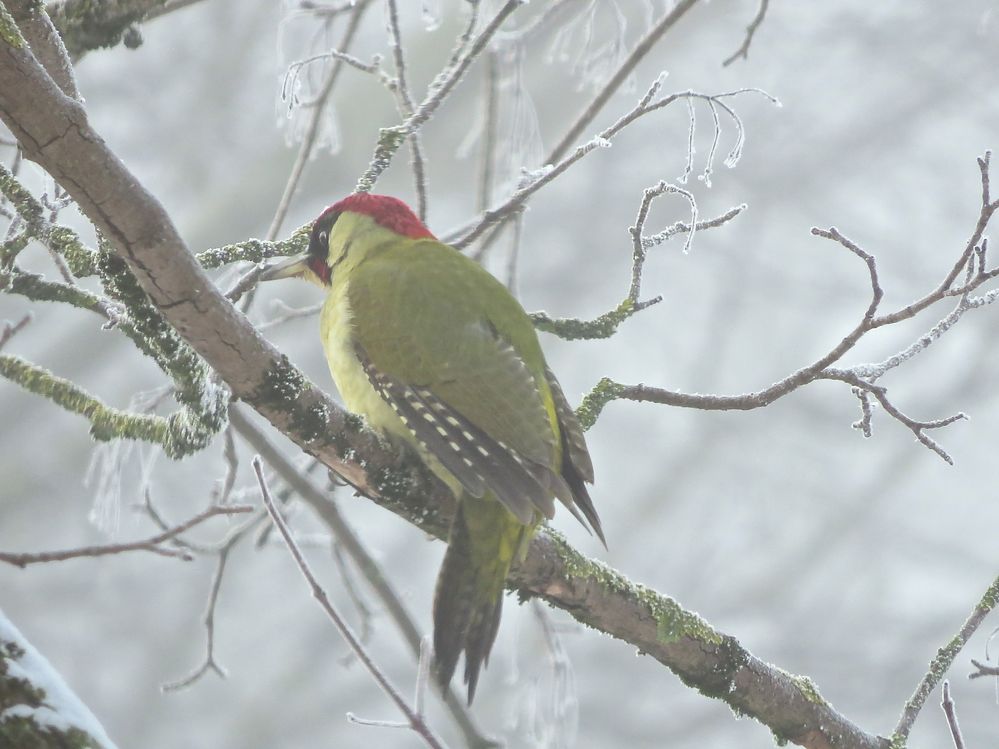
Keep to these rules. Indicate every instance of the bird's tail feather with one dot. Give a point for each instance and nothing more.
(483, 541)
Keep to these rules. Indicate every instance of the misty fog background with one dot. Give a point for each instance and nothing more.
(845, 559)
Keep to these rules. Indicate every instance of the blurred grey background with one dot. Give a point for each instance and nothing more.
(849, 560)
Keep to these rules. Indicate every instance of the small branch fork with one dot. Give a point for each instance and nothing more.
(414, 715)
(754, 25)
(153, 544)
(863, 378)
(607, 324)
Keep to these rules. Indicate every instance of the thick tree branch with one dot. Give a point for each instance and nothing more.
(86, 25)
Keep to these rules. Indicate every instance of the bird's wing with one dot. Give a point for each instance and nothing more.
(577, 468)
(428, 337)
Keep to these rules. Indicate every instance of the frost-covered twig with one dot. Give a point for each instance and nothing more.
(392, 137)
(646, 105)
(861, 377)
(414, 720)
(941, 663)
(312, 128)
(614, 83)
(743, 50)
(153, 544)
(607, 324)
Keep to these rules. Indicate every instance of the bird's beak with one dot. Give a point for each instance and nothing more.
(292, 267)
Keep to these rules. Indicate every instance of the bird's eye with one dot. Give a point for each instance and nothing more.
(324, 236)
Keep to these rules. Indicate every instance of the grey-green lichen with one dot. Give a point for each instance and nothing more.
(206, 399)
(390, 139)
(808, 689)
(572, 329)
(280, 386)
(673, 622)
(311, 421)
(594, 401)
(60, 239)
(91, 24)
(256, 250)
(106, 422)
(9, 31)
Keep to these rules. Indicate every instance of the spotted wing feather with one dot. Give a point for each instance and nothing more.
(475, 459)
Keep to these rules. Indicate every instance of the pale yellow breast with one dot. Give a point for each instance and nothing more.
(356, 391)
(358, 395)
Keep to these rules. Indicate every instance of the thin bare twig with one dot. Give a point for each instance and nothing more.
(414, 719)
(487, 163)
(152, 544)
(353, 547)
(208, 663)
(607, 324)
(11, 329)
(286, 314)
(950, 711)
(743, 50)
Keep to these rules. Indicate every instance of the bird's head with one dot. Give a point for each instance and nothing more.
(337, 230)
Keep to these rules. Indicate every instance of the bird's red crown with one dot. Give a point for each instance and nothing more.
(387, 211)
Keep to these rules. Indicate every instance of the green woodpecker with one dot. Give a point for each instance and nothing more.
(430, 348)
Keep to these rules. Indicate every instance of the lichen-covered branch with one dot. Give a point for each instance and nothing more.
(176, 434)
(941, 664)
(86, 25)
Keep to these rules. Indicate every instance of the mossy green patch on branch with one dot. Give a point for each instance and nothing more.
(280, 386)
(255, 250)
(9, 31)
(673, 622)
(573, 329)
(390, 139)
(808, 689)
(594, 401)
(106, 423)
